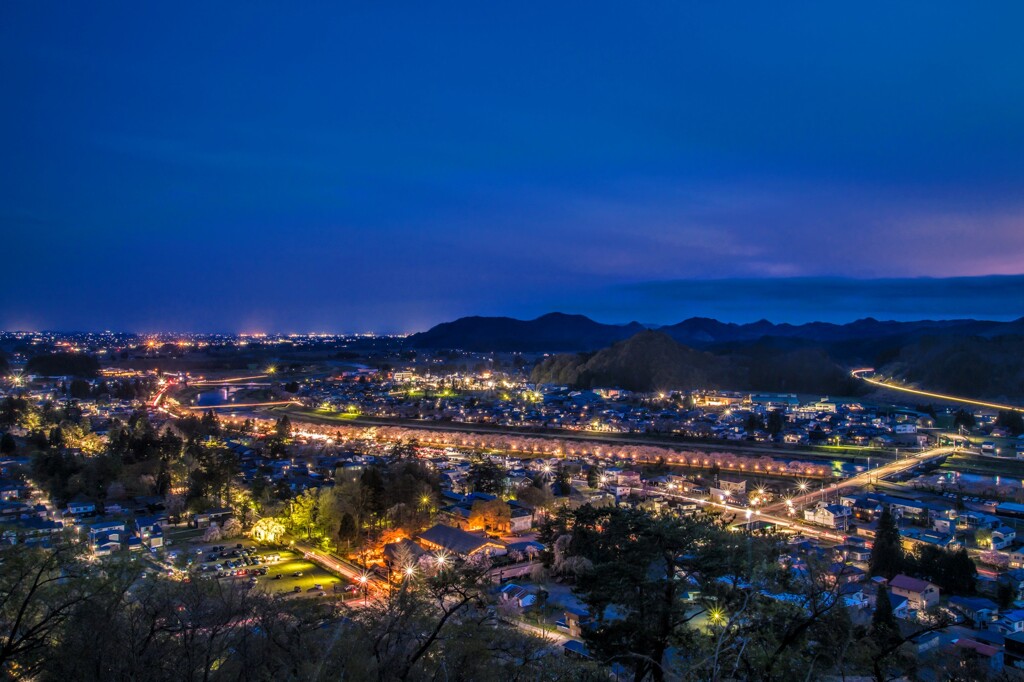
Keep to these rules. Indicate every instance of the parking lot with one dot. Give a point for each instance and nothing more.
(277, 570)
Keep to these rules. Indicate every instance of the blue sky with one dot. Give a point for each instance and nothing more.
(386, 166)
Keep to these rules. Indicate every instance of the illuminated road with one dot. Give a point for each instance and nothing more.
(769, 513)
(858, 374)
(861, 480)
(233, 380)
(763, 515)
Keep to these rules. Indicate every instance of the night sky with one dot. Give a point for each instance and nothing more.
(385, 166)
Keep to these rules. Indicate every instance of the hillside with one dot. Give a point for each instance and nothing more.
(553, 332)
(653, 361)
(985, 368)
(648, 361)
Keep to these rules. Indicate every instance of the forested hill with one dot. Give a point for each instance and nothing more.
(553, 332)
(653, 361)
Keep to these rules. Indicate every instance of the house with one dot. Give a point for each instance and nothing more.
(1003, 537)
(402, 552)
(979, 610)
(915, 536)
(573, 648)
(517, 594)
(459, 542)
(13, 491)
(520, 518)
(30, 529)
(853, 596)
(921, 595)
(81, 507)
(927, 643)
(830, 515)
(216, 515)
(107, 530)
(854, 552)
(975, 649)
(1013, 647)
(1009, 622)
(899, 605)
(574, 621)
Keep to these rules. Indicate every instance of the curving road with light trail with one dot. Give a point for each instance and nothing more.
(858, 374)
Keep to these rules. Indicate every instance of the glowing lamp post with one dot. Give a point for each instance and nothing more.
(362, 581)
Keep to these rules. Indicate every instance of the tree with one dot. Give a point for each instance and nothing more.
(210, 424)
(964, 419)
(7, 444)
(883, 622)
(983, 538)
(1012, 421)
(561, 486)
(594, 476)
(490, 515)
(639, 564)
(39, 591)
(776, 422)
(536, 498)
(212, 533)
(487, 476)
(887, 558)
(79, 389)
(232, 528)
(348, 532)
(283, 428)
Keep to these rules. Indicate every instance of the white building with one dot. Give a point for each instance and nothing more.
(830, 515)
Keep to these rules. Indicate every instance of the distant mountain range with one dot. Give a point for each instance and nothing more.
(561, 332)
(976, 358)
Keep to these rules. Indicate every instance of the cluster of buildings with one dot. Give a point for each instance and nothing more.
(509, 400)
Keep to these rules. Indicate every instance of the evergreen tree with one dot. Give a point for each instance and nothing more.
(209, 424)
(883, 622)
(487, 476)
(964, 419)
(594, 476)
(561, 486)
(347, 529)
(7, 444)
(887, 554)
(284, 427)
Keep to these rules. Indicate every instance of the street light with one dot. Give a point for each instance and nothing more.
(362, 580)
